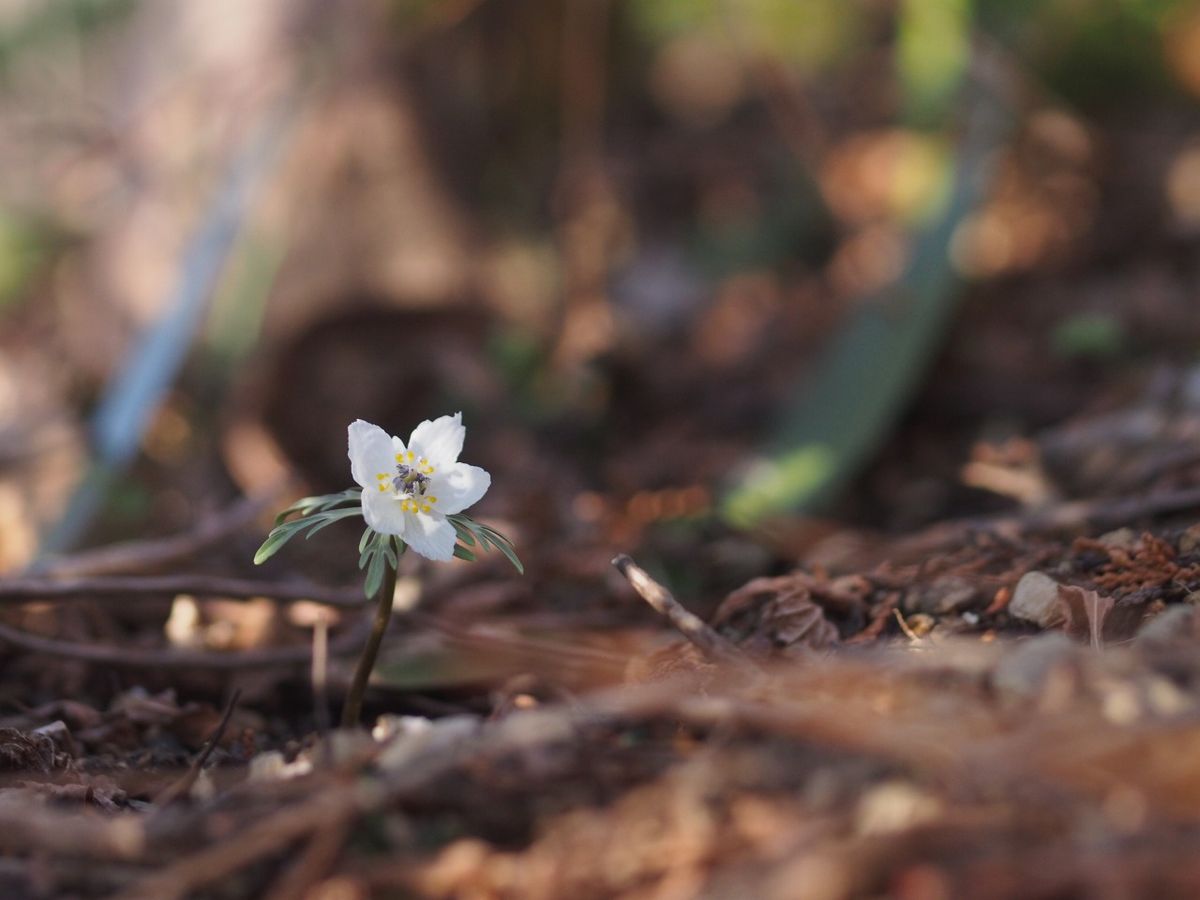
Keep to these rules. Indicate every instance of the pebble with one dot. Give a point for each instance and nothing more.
(1035, 599)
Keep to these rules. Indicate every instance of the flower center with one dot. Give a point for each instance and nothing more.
(409, 482)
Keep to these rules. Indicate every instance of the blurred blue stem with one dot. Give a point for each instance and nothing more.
(135, 393)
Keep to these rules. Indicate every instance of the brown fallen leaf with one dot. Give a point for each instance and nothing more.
(29, 752)
(1098, 618)
(770, 616)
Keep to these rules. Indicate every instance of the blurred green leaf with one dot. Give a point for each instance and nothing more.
(23, 249)
(840, 417)
(51, 20)
(798, 476)
(1089, 336)
(932, 52)
(811, 34)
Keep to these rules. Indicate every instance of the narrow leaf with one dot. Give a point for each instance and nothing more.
(511, 555)
(327, 518)
(307, 505)
(374, 575)
(463, 553)
(270, 546)
(463, 532)
(303, 506)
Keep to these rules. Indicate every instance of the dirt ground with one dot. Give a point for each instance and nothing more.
(648, 254)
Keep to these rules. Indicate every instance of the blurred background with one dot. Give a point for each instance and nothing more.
(705, 276)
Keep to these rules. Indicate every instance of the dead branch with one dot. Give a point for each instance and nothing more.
(180, 788)
(28, 589)
(140, 658)
(263, 839)
(144, 555)
(314, 862)
(709, 642)
(25, 827)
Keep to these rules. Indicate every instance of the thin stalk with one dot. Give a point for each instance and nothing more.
(352, 711)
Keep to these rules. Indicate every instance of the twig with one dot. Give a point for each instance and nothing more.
(264, 838)
(139, 658)
(691, 626)
(27, 827)
(29, 588)
(905, 627)
(320, 674)
(181, 787)
(145, 555)
(352, 711)
(315, 860)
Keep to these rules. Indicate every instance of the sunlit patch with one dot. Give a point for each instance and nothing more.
(1183, 186)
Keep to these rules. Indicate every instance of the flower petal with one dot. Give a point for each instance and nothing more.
(459, 486)
(371, 452)
(431, 536)
(383, 512)
(439, 441)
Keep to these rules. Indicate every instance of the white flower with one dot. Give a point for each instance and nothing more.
(409, 490)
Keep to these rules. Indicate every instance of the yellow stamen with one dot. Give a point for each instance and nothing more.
(431, 499)
(426, 508)
(411, 456)
(383, 488)
(399, 457)
(382, 475)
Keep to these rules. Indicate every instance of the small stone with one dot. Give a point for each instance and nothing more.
(1035, 599)
(1189, 541)
(1119, 539)
(1176, 623)
(1022, 672)
(413, 741)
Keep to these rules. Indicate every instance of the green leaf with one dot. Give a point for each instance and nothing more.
(471, 532)
(374, 575)
(325, 519)
(279, 536)
(365, 540)
(511, 555)
(269, 548)
(463, 553)
(315, 513)
(307, 505)
(504, 545)
(372, 548)
(463, 532)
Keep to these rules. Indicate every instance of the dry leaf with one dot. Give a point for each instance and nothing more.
(1098, 618)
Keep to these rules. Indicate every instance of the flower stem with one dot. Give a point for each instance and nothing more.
(352, 711)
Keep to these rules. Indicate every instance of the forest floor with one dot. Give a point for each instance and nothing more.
(995, 706)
